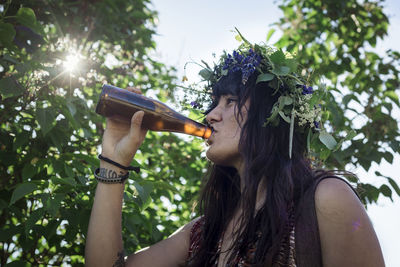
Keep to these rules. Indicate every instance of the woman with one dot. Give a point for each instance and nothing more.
(263, 204)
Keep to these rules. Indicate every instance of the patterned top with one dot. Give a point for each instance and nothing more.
(286, 257)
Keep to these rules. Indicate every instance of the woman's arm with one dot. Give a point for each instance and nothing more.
(170, 252)
(104, 238)
(347, 235)
(104, 245)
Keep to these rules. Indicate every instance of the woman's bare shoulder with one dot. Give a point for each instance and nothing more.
(347, 235)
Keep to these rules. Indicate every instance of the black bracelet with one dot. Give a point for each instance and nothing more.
(119, 180)
(129, 168)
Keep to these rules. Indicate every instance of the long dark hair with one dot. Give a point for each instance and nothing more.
(264, 150)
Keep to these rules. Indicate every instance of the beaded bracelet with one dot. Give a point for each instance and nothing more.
(119, 180)
(127, 168)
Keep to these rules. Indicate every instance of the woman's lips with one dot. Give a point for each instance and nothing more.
(210, 140)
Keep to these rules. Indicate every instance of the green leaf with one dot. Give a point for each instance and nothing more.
(143, 191)
(7, 33)
(28, 171)
(350, 135)
(46, 119)
(238, 38)
(10, 58)
(69, 171)
(18, 264)
(391, 182)
(388, 157)
(26, 16)
(264, 77)
(53, 204)
(71, 107)
(9, 88)
(292, 64)
(287, 100)
(394, 185)
(22, 190)
(386, 191)
(281, 70)
(21, 139)
(6, 234)
(92, 160)
(206, 74)
(63, 181)
(242, 38)
(269, 34)
(393, 96)
(324, 154)
(327, 140)
(32, 219)
(278, 57)
(286, 118)
(284, 101)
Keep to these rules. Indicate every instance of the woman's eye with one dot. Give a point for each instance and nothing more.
(230, 100)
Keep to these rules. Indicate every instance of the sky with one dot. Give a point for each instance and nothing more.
(190, 30)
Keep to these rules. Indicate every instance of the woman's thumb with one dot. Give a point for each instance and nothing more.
(136, 123)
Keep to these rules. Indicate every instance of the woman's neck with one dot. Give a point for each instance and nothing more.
(261, 191)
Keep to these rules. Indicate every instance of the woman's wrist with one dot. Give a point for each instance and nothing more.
(109, 171)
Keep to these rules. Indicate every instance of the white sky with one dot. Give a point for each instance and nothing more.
(192, 30)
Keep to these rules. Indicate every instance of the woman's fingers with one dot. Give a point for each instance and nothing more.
(134, 89)
(137, 132)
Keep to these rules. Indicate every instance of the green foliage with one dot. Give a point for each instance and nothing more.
(337, 39)
(49, 132)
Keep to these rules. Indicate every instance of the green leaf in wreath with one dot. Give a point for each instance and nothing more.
(281, 70)
(286, 118)
(264, 77)
(292, 64)
(206, 74)
(278, 58)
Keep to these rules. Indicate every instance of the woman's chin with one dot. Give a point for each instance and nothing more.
(212, 155)
(218, 158)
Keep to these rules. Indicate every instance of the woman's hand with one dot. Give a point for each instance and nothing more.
(121, 140)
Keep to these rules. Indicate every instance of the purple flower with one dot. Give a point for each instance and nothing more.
(194, 104)
(246, 64)
(307, 90)
(316, 124)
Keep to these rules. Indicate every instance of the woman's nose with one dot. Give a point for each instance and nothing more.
(213, 116)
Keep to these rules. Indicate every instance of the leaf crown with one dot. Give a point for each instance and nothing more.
(298, 103)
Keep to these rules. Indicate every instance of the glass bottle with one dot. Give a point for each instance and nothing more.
(121, 104)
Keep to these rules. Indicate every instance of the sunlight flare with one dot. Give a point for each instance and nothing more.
(71, 62)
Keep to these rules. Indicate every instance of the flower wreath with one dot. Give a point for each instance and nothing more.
(298, 103)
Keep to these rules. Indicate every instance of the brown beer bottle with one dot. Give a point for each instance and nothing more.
(122, 104)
